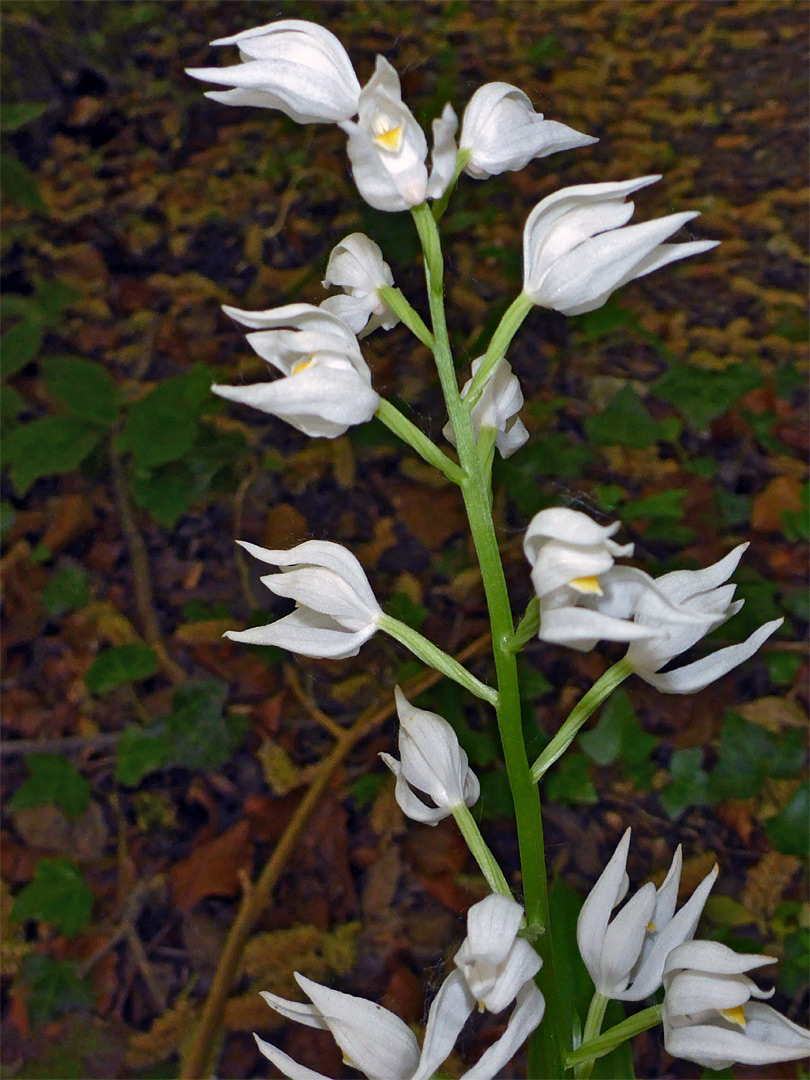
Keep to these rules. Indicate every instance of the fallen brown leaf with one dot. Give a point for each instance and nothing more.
(214, 869)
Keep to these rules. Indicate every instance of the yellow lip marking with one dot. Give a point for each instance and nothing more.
(651, 927)
(735, 1015)
(589, 585)
(390, 139)
(302, 365)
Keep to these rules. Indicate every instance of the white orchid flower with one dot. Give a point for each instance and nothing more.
(578, 248)
(492, 961)
(356, 265)
(498, 407)
(625, 955)
(660, 618)
(432, 762)
(297, 67)
(501, 132)
(709, 1017)
(337, 611)
(326, 384)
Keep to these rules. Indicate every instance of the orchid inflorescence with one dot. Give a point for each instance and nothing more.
(578, 248)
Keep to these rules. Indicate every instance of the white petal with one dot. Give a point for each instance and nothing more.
(285, 1064)
(580, 628)
(562, 523)
(409, 803)
(319, 553)
(443, 159)
(373, 1039)
(303, 632)
(623, 941)
(680, 585)
(696, 676)
(717, 1047)
(714, 957)
(693, 993)
(521, 965)
(448, 1014)
(527, 1014)
(595, 913)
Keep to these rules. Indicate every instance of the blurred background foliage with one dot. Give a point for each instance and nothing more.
(149, 767)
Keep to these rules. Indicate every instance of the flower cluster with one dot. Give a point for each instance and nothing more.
(584, 598)
(493, 968)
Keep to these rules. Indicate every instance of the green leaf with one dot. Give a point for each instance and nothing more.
(604, 320)
(200, 736)
(57, 895)
(749, 755)
(163, 426)
(796, 523)
(734, 510)
(52, 779)
(624, 422)
(364, 789)
(702, 395)
(618, 737)
(68, 589)
(788, 830)
(689, 785)
(21, 344)
(141, 751)
(54, 988)
(121, 664)
(8, 515)
(85, 387)
(406, 610)
(46, 447)
(15, 116)
(795, 962)
(555, 456)
(533, 683)
(19, 184)
(569, 782)
(496, 797)
(53, 297)
(783, 667)
(666, 505)
(166, 493)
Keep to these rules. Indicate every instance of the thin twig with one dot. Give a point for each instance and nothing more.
(139, 559)
(291, 679)
(196, 1061)
(60, 746)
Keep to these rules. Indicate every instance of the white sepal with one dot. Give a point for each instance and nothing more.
(498, 406)
(578, 248)
(444, 153)
(502, 132)
(356, 265)
(432, 762)
(337, 609)
(295, 66)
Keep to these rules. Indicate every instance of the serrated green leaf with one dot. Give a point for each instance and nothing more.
(52, 779)
(68, 589)
(625, 421)
(788, 830)
(19, 184)
(84, 386)
(13, 116)
(140, 751)
(702, 395)
(47, 447)
(121, 664)
(57, 895)
(163, 426)
(54, 988)
(21, 344)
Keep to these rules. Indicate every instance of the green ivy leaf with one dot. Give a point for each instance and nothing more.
(702, 395)
(54, 988)
(140, 751)
(17, 115)
(68, 589)
(569, 782)
(163, 426)
(85, 387)
(52, 779)
(165, 493)
(47, 447)
(788, 830)
(689, 785)
(121, 664)
(618, 737)
(200, 736)
(19, 184)
(406, 610)
(21, 344)
(749, 754)
(57, 895)
(625, 421)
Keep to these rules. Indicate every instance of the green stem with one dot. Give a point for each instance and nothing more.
(603, 1044)
(483, 856)
(436, 658)
(406, 314)
(547, 1049)
(504, 332)
(401, 426)
(593, 1025)
(585, 708)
